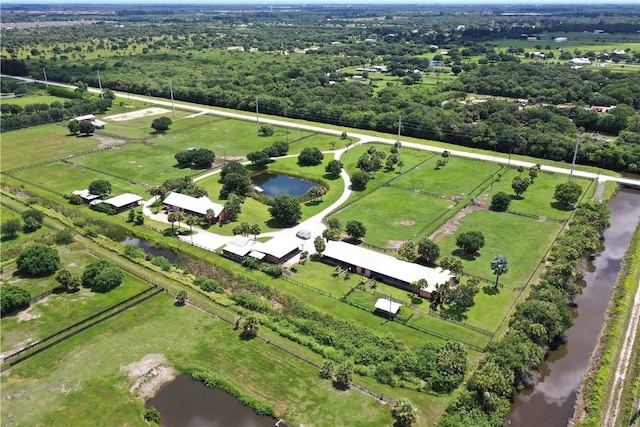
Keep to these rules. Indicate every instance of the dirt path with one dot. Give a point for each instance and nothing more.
(614, 403)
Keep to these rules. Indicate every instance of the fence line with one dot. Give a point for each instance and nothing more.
(304, 285)
(78, 327)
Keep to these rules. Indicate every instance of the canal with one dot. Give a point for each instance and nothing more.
(551, 401)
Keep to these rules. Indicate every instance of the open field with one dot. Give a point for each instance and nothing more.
(32, 99)
(524, 251)
(263, 371)
(65, 178)
(35, 144)
(390, 226)
(60, 310)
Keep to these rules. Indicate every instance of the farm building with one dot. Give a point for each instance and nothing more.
(277, 250)
(98, 124)
(192, 205)
(121, 202)
(384, 267)
(86, 196)
(387, 306)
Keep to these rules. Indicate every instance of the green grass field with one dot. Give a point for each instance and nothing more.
(538, 199)
(65, 178)
(405, 213)
(60, 310)
(38, 143)
(138, 162)
(80, 382)
(524, 249)
(33, 99)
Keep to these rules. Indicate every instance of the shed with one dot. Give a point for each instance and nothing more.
(124, 201)
(199, 206)
(388, 306)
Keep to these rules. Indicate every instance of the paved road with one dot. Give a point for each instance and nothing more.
(360, 137)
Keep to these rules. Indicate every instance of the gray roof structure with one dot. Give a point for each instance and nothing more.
(123, 200)
(386, 265)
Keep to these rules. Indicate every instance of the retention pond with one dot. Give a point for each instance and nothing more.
(185, 402)
(551, 401)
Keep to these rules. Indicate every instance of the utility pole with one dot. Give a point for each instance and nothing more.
(100, 85)
(44, 71)
(257, 116)
(173, 105)
(399, 128)
(575, 154)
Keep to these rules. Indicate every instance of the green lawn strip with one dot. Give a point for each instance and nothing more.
(449, 330)
(258, 369)
(523, 251)
(320, 275)
(453, 179)
(60, 310)
(404, 214)
(137, 162)
(37, 143)
(33, 99)
(597, 384)
(538, 199)
(65, 178)
(491, 306)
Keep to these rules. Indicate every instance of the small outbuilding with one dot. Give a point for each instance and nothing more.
(124, 201)
(192, 205)
(388, 306)
(86, 195)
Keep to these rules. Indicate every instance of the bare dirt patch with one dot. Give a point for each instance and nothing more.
(451, 225)
(26, 315)
(154, 111)
(395, 244)
(406, 222)
(149, 374)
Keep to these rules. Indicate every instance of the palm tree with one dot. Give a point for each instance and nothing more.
(173, 217)
(209, 216)
(255, 230)
(499, 265)
(405, 413)
(400, 165)
(191, 220)
(181, 297)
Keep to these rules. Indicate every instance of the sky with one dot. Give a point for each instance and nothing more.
(346, 2)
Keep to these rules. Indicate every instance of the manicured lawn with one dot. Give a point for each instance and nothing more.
(138, 162)
(60, 310)
(392, 215)
(88, 365)
(65, 178)
(37, 143)
(457, 178)
(524, 249)
(538, 199)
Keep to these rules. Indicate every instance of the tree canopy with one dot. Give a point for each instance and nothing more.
(38, 260)
(161, 124)
(470, 241)
(286, 210)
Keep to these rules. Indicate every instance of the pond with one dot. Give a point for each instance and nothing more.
(149, 249)
(185, 402)
(273, 184)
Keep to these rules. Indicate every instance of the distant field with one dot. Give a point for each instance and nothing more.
(37, 143)
(32, 99)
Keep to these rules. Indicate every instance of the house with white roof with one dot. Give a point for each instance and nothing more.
(191, 205)
(385, 268)
(121, 202)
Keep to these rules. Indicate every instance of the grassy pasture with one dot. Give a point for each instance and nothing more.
(138, 162)
(32, 99)
(538, 199)
(37, 143)
(59, 310)
(263, 371)
(524, 249)
(64, 178)
(7, 213)
(233, 138)
(453, 179)
(141, 127)
(392, 215)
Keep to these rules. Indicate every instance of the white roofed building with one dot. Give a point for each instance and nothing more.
(384, 267)
(122, 202)
(192, 205)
